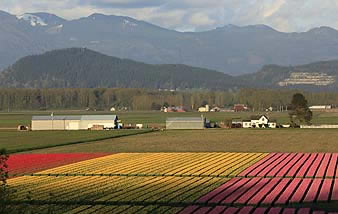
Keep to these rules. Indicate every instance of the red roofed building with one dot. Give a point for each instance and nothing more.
(240, 107)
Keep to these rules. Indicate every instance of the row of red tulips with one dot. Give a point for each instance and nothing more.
(30, 163)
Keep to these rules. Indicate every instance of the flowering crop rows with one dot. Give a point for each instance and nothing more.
(113, 190)
(269, 191)
(281, 179)
(28, 163)
(295, 165)
(245, 210)
(171, 164)
(241, 183)
(87, 209)
(119, 181)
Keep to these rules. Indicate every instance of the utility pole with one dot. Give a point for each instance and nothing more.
(7, 103)
(52, 115)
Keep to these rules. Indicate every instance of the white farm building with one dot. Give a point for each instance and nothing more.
(260, 121)
(186, 123)
(74, 122)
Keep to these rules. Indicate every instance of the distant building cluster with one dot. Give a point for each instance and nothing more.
(173, 109)
(207, 108)
(307, 78)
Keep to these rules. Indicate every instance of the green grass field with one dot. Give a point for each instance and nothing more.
(14, 141)
(220, 140)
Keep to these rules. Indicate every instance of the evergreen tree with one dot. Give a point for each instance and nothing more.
(299, 110)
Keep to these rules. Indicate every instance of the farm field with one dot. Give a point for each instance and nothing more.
(13, 119)
(185, 183)
(21, 164)
(14, 141)
(214, 140)
(218, 140)
(209, 171)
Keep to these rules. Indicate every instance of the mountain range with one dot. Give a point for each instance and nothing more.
(230, 49)
(84, 68)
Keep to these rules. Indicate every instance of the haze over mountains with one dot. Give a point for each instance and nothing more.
(231, 49)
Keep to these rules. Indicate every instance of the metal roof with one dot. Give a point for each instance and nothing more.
(185, 119)
(58, 117)
(76, 117)
(99, 117)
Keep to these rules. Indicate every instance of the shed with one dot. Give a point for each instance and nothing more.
(73, 122)
(186, 123)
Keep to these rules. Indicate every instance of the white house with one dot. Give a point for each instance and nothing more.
(259, 122)
(204, 109)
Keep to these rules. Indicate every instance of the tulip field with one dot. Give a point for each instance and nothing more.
(242, 183)
(20, 164)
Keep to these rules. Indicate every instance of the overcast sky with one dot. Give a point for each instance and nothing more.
(194, 15)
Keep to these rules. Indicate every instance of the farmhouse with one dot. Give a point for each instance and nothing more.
(261, 121)
(186, 123)
(74, 122)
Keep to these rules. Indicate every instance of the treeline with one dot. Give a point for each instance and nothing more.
(143, 99)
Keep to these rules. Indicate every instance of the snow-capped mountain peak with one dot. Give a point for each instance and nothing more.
(129, 23)
(34, 20)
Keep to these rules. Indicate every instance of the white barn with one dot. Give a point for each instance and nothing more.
(73, 122)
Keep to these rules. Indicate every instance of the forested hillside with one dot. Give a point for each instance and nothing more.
(83, 68)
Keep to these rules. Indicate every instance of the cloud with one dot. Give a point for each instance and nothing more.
(283, 15)
(123, 3)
